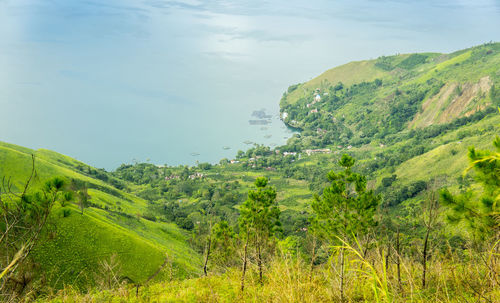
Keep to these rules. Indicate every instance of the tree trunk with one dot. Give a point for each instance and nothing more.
(388, 256)
(342, 275)
(209, 244)
(398, 262)
(259, 262)
(244, 265)
(313, 258)
(424, 260)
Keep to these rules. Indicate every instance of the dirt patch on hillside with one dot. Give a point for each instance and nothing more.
(460, 105)
(431, 108)
(453, 101)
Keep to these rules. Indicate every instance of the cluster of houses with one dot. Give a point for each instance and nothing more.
(316, 99)
(285, 154)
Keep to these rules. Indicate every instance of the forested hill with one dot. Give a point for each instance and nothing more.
(373, 101)
(408, 118)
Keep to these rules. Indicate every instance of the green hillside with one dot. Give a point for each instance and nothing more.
(391, 94)
(112, 225)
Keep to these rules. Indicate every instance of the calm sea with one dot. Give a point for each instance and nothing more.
(175, 82)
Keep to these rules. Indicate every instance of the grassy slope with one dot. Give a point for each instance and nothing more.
(461, 68)
(350, 73)
(450, 158)
(80, 242)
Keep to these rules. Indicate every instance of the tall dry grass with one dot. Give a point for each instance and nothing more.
(470, 278)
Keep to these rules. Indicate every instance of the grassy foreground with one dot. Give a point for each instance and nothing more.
(466, 278)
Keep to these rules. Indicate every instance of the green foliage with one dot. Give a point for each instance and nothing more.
(24, 219)
(291, 88)
(412, 61)
(495, 95)
(346, 208)
(479, 209)
(397, 194)
(384, 63)
(224, 244)
(259, 214)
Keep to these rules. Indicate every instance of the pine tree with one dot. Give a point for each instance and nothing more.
(223, 244)
(345, 209)
(259, 222)
(480, 210)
